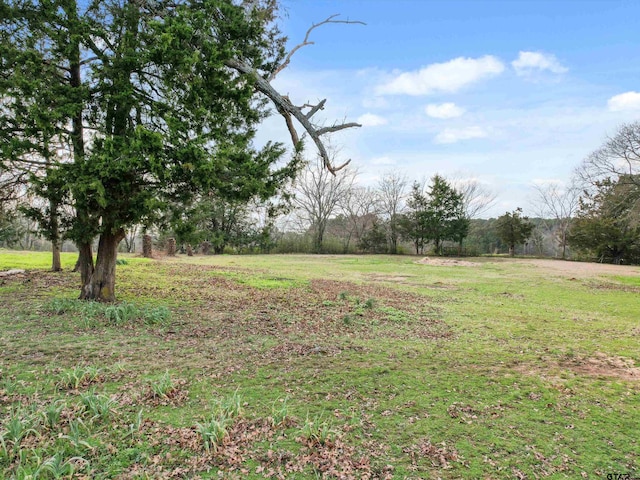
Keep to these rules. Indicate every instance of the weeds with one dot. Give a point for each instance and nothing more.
(213, 432)
(76, 434)
(73, 378)
(17, 427)
(317, 431)
(100, 406)
(162, 387)
(121, 314)
(230, 407)
(52, 412)
(58, 467)
(280, 412)
(94, 314)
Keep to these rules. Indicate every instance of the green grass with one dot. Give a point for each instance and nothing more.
(299, 366)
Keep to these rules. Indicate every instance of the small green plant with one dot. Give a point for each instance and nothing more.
(77, 430)
(343, 295)
(135, 426)
(122, 261)
(58, 467)
(100, 406)
(156, 315)
(279, 412)
(162, 387)
(120, 314)
(73, 378)
(370, 303)
(395, 315)
(8, 385)
(230, 407)
(347, 319)
(17, 427)
(58, 306)
(317, 430)
(213, 432)
(52, 412)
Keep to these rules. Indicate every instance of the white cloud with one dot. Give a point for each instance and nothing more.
(371, 120)
(443, 110)
(529, 62)
(624, 101)
(450, 76)
(452, 135)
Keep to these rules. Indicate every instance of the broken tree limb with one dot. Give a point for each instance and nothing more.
(288, 110)
(305, 42)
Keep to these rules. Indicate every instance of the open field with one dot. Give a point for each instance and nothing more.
(321, 367)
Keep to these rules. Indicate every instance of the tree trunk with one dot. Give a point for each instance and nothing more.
(147, 247)
(84, 264)
(512, 250)
(189, 250)
(101, 285)
(56, 265)
(171, 247)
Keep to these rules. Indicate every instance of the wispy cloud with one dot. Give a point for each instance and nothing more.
(443, 110)
(449, 76)
(529, 63)
(624, 101)
(371, 120)
(454, 135)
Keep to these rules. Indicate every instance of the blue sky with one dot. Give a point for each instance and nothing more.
(510, 93)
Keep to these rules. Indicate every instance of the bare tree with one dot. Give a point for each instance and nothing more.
(619, 156)
(318, 195)
(560, 204)
(392, 189)
(476, 197)
(360, 207)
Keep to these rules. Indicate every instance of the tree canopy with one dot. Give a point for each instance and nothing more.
(116, 108)
(513, 229)
(607, 225)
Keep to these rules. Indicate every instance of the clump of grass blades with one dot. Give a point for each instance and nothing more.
(123, 313)
(74, 377)
(100, 406)
(317, 430)
(18, 426)
(162, 387)
(280, 412)
(214, 430)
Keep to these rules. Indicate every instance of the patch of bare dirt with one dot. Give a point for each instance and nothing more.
(599, 365)
(602, 364)
(447, 262)
(581, 269)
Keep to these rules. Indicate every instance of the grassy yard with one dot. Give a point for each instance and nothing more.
(321, 367)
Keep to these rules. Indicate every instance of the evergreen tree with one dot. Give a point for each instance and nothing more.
(513, 229)
(607, 224)
(142, 97)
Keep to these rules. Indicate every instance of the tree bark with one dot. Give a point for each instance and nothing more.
(56, 265)
(147, 248)
(84, 264)
(101, 284)
(171, 247)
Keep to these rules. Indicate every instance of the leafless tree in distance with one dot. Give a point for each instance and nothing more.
(559, 203)
(392, 189)
(319, 193)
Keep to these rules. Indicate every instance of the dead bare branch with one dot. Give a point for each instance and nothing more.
(305, 42)
(288, 110)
